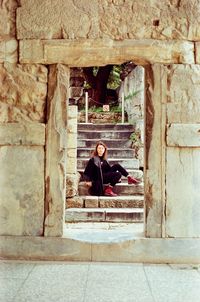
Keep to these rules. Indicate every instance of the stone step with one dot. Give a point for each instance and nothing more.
(127, 163)
(120, 189)
(113, 152)
(102, 134)
(104, 215)
(90, 126)
(125, 189)
(136, 201)
(110, 143)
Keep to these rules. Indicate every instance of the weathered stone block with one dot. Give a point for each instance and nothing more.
(23, 91)
(197, 47)
(72, 112)
(158, 19)
(183, 90)
(71, 153)
(9, 51)
(121, 202)
(113, 19)
(57, 19)
(72, 126)
(22, 134)
(91, 202)
(76, 215)
(7, 18)
(75, 202)
(71, 140)
(71, 166)
(22, 190)
(124, 215)
(182, 192)
(72, 181)
(183, 135)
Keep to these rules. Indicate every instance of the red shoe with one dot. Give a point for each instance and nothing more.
(132, 180)
(109, 192)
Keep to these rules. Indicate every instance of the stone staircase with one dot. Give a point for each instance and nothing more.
(128, 205)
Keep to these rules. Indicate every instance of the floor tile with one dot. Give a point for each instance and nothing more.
(117, 283)
(9, 288)
(55, 282)
(173, 285)
(15, 270)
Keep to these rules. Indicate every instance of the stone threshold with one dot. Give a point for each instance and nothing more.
(135, 250)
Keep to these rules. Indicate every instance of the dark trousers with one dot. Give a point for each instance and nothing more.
(114, 175)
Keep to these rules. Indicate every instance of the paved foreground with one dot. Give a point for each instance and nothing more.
(100, 282)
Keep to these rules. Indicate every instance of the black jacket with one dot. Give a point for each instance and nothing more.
(94, 173)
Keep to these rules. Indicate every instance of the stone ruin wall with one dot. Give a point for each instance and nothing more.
(80, 33)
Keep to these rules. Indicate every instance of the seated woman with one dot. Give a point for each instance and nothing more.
(98, 173)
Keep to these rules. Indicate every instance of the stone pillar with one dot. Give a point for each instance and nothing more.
(154, 165)
(56, 150)
(73, 176)
(23, 90)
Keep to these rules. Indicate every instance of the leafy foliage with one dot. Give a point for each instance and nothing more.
(131, 95)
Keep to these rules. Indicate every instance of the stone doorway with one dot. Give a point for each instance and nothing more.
(159, 74)
(128, 206)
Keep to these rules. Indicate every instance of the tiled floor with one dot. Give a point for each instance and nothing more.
(100, 282)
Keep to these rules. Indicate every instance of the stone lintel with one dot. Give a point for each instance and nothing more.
(83, 53)
(183, 135)
(9, 51)
(134, 250)
(22, 134)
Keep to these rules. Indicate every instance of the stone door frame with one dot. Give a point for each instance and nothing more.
(63, 54)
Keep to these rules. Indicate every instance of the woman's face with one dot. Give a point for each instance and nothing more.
(100, 150)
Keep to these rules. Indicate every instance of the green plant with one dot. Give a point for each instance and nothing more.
(95, 109)
(116, 109)
(136, 142)
(131, 95)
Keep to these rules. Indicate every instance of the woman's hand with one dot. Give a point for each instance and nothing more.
(88, 184)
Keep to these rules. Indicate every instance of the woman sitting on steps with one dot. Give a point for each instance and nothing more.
(98, 173)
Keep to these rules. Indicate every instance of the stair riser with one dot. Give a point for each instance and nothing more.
(102, 135)
(103, 217)
(105, 202)
(92, 127)
(129, 190)
(127, 164)
(121, 204)
(118, 189)
(112, 153)
(110, 143)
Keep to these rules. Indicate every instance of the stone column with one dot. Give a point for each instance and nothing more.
(23, 90)
(56, 150)
(154, 150)
(73, 177)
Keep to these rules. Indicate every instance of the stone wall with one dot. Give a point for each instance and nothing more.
(132, 88)
(114, 19)
(39, 41)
